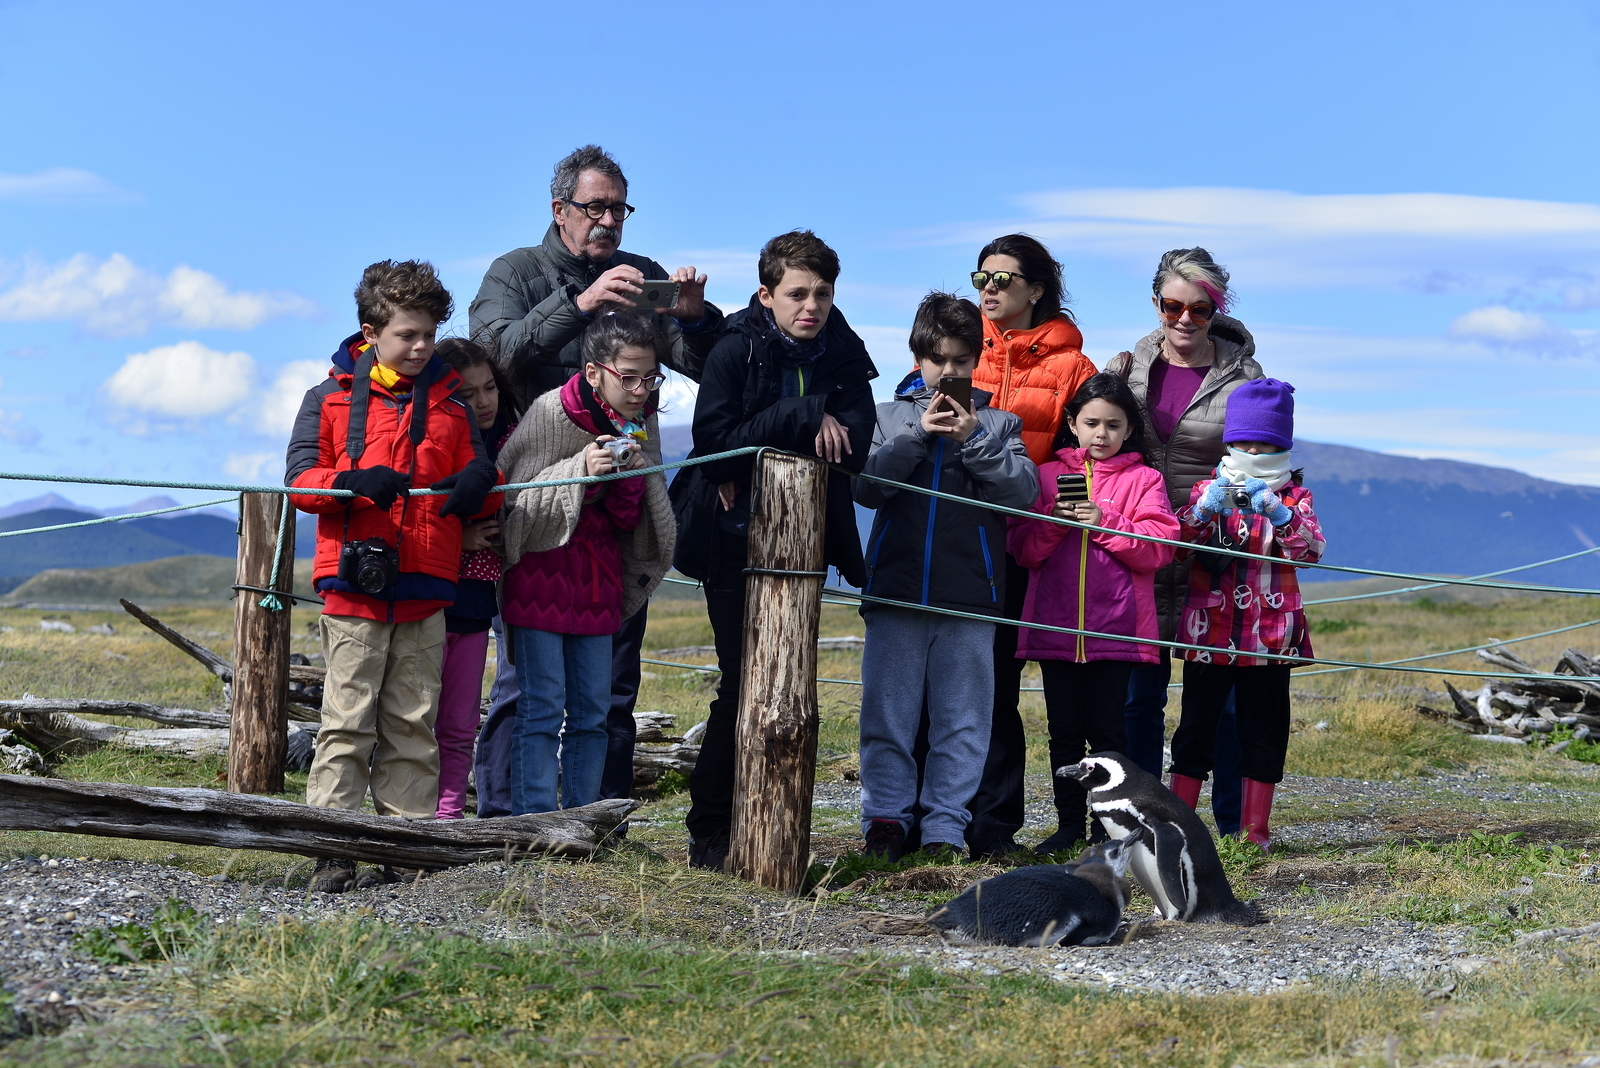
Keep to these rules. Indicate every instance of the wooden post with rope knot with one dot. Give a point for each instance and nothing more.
(776, 738)
(258, 721)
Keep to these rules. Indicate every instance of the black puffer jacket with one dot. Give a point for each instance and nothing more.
(741, 404)
(527, 302)
(1195, 447)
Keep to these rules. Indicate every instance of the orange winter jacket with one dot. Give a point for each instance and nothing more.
(1034, 373)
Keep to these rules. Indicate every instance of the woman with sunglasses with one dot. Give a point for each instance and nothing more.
(1033, 364)
(1183, 373)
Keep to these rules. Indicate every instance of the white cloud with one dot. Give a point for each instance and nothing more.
(59, 185)
(277, 407)
(181, 382)
(250, 467)
(1289, 241)
(678, 396)
(14, 431)
(115, 297)
(1497, 324)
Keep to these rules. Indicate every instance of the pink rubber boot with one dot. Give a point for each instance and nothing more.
(1187, 787)
(1256, 811)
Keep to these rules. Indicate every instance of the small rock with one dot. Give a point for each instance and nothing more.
(100, 628)
(58, 626)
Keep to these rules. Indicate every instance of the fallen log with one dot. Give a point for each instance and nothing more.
(63, 734)
(212, 662)
(243, 821)
(666, 757)
(171, 717)
(654, 727)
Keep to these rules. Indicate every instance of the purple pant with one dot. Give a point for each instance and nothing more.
(456, 728)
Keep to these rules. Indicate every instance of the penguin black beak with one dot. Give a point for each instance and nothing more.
(1072, 771)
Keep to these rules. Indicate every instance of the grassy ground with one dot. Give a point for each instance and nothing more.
(636, 969)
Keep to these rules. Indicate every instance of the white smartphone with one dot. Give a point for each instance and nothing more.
(658, 293)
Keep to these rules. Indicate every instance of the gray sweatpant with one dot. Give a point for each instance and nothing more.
(910, 656)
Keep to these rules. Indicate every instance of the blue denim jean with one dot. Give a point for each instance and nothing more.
(565, 684)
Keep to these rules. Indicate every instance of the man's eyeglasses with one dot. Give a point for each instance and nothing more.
(631, 383)
(1172, 310)
(1001, 279)
(596, 209)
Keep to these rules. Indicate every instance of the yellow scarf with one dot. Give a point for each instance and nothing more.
(382, 375)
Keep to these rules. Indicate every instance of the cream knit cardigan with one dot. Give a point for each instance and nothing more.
(548, 445)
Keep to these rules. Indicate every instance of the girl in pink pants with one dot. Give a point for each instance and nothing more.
(466, 643)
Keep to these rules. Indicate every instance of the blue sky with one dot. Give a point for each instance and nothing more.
(1405, 194)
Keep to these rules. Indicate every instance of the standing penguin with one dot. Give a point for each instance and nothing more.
(1077, 904)
(1174, 858)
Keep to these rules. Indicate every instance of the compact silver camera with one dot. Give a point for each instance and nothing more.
(619, 450)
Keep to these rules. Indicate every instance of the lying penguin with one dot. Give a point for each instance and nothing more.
(1174, 859)
(1077, 904)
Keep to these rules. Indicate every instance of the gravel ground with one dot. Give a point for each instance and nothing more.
(45, 902)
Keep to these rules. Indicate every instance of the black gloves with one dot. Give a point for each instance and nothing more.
(380, 485)
(469, 488)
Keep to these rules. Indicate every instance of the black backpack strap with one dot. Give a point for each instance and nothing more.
(355, 441)
(420, 387)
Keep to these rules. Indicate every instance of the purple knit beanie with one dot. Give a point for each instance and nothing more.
(1261, 410)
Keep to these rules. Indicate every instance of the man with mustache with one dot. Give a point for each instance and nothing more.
(534, 304)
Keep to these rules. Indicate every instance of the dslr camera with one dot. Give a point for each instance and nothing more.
(371, 565)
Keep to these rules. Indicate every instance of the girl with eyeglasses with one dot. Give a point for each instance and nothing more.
(1183, 372)
(1033, 364)
(581, 558)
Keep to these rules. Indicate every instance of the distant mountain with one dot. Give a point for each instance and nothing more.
(1396, 513)
(186, 579)
(1437, 517)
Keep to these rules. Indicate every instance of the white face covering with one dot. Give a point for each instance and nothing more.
(1270, 467)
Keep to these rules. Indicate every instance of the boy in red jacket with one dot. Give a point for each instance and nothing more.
(384, 422)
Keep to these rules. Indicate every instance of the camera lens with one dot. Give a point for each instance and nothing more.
(372, 576)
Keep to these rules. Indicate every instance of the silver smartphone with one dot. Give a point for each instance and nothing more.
(658, 293)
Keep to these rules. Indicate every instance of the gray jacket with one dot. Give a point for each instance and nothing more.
(527, 301)
(1196, 447)
(959, 563)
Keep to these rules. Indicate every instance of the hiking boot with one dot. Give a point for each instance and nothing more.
(710, 852)
(942, 852)
(333, 875)
(886, 839)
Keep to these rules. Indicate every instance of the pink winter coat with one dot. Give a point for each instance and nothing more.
(1250, 605)
(1093, 580)
(576, 588)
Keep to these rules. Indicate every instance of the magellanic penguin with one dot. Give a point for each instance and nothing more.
(1077, 904)
(1175, 859)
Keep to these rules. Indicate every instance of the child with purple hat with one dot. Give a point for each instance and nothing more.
(1240, 607)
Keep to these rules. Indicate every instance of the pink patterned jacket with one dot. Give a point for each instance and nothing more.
(1250, 606)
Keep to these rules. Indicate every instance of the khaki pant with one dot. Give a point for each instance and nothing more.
(378, 706)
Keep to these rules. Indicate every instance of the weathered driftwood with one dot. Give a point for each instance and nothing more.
(222, 668)
(666, 757)
(776, 738)
(171, 717)
(1514, 710)
(654, 727)
(244, 821)
(63, 734)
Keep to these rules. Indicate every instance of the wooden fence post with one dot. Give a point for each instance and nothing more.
(776, 738)
(258, 725)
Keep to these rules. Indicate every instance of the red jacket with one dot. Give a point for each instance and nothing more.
(1033, 373)
(576, 588)
(430, 546)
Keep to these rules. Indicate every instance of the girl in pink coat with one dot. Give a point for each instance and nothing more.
(1092, 580)
(1237, 607)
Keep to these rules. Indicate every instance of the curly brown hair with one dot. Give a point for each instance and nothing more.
(389, 286)
(800, 249)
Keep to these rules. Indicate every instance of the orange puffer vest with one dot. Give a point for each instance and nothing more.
(1034, 373)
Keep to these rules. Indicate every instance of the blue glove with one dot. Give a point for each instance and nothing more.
(1217, 498)
(1267, 503)
(1254, 487)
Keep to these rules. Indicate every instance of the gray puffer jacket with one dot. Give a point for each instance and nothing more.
(527, 301)
(1196, 447)
(962, 564)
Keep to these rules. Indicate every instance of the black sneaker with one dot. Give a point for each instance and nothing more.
(1062, 841)
(999, 849)
(333, 875)
(710, 852)
(942, 852)
(886, 839)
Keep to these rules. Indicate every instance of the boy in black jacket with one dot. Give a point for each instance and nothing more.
(791, 374)
(934, 552)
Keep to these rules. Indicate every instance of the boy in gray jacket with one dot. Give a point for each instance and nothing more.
(934, 552)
